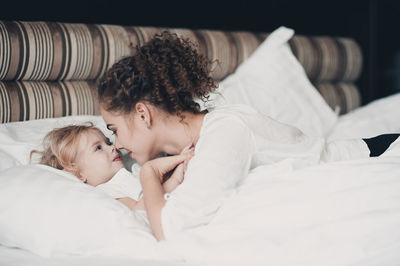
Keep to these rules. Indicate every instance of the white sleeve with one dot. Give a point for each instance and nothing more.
(123, 184)
(222, 159)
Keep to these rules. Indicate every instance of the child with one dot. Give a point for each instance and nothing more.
(86, 152)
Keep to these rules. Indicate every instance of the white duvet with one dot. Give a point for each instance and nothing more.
(341, 213)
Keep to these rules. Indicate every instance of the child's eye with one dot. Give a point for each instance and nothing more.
(98, 147)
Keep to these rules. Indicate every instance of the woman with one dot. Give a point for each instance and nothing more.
(149, 102)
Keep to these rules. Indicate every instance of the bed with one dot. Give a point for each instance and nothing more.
(342, 213)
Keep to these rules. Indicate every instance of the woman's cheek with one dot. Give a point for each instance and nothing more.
(140, 160)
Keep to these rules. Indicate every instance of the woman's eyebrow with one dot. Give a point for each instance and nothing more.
(109, 125)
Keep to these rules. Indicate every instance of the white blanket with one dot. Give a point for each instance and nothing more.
(333, 214)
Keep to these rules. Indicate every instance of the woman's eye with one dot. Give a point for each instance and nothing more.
(114, 132)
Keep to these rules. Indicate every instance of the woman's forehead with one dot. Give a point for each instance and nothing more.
(110, 115)
(113, 120)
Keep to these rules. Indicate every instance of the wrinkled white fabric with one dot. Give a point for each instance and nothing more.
(233, 140)
(123, 184)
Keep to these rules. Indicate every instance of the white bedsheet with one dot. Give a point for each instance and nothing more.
(344, 213)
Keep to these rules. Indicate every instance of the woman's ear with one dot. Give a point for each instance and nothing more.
(144, 113)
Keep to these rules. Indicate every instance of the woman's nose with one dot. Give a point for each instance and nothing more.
(117, 145)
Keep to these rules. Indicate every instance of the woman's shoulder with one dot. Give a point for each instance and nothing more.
(231, 110)
(227, 124)
(229, 116)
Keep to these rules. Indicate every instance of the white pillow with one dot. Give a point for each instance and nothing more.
(378, 117)
(51, 213)
(273, 82)
(18, 139)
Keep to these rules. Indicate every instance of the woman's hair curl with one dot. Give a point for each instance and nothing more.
(167, 71)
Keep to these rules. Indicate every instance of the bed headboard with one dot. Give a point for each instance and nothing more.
(49, 69)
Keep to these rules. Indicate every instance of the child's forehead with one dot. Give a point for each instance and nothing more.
(90, 136)
(94, 133)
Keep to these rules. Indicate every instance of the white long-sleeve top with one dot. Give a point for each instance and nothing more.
(122, 184)
(233, 140)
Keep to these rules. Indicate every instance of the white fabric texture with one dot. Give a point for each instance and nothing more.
(378, 117)
(123, 184)
(18, 139)
(332, 214)
(233, 140)
(341, 213)
(51, 212)
(273, 82)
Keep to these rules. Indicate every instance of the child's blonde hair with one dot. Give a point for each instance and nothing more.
(60, 146)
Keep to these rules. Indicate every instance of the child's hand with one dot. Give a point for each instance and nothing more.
(175, 180)
(188, 150)
(132, 204)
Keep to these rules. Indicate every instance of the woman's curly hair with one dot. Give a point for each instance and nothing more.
(167, 72)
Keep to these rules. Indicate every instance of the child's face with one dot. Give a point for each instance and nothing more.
(96, 160)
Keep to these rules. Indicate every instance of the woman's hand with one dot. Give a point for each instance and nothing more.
(151, 176)
(162, 165)
(178, 175)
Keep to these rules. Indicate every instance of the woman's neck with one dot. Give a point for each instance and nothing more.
(176, 133)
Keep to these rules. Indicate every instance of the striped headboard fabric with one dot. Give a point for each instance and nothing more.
(50, 69)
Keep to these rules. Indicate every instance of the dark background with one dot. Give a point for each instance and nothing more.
(373, 23)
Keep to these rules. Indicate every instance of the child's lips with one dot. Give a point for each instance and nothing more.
(117, 158)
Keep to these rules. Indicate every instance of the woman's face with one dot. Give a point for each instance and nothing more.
(132, 134)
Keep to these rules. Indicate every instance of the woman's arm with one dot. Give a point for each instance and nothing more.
(153, 192)
(153, 195)
(222, 160)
